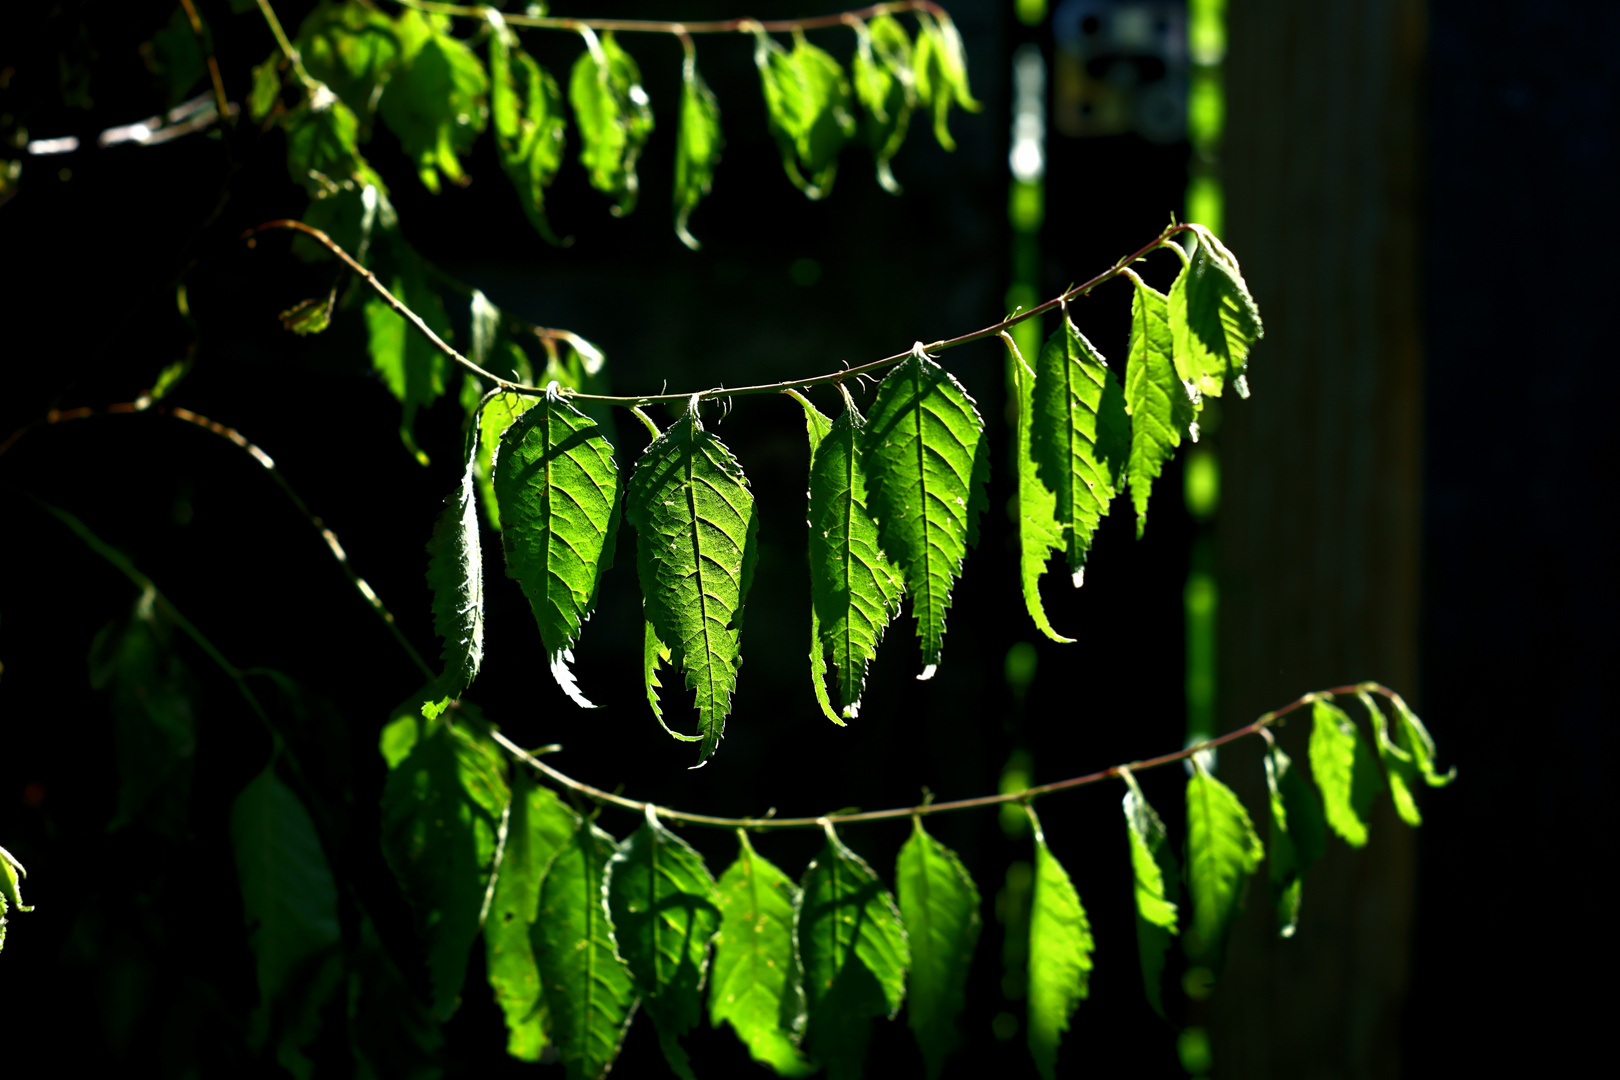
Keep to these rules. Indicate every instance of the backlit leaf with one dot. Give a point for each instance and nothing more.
(1298, 836)
(1038, 532)
(697, 147)
(558, 490)
(695, 523)
(410, 366)
(266, 88)
(322, 142)
(757, 986)
(807, 101)
(927, 461)
(527, 113)
(886, 89)
(853, 946)
(1222, 851)
(940, 907)
(352, 49)
(11, 877)
(1345, 769)
(455, 575)
(1154, 876)
(435, 102)
(1160, 410)
(1060, 948)
(613, 115)
(665, 912)
(1079, 437)
(941, 72)
(1414, 738)
(1213, 320)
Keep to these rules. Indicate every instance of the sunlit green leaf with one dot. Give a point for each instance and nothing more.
(435, 102)
(1222, 851)
(455, 575)
(1412, 737)
(1345, 770)
(697, 147)
(695, 523)
(757, 986)
(613, 115)
(1079, 437)
(322, 142)
(807, 101)
(940, 907)
(558, 488)
(1213, 320)
(11, 875)
(1060, 948)
(886, 89)
(587, 989)
(853, 946)
(665, 912)
(351, 48)
(499, 413)
(1160, 410)
(1038, 532)
(1154, 877)
(410, 366)
(940, 64)
(1298, 836)
(266, 87)
(927, 461)
(527, 109)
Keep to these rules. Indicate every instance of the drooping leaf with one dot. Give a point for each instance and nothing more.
(613, 115)
(940, 907)
(807, 102)
(758, 986)
(941, 72)
(558, 489)
(442, 808)
(886, 89)
(1213, 320)
(11, 877)
(1038, 532)
(455, 575)
(1060, 948)
(308, 317)
(587, 989)
(266, 88)
(852, 943)
(1079, 437)
(409, 365)
(695, 523)
(1413, 737)
(322, 142)
(527, 110)
(499, 413)
(538, 827)
(1400, 770)
(1298, 836)
(927, 461)
(697, 147)
(1158, 405)
(665, 912)
(1154, 877)
(352, 49)
(1345, 769)
(1222, 851)
(854, 589)
(581, 366)
(289, 904)
(435, 103)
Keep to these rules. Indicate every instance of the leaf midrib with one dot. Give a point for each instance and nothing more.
(697, 566)
(926, 628)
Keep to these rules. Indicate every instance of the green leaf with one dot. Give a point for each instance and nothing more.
(1160, 410)
(695, 522)
(435, 102)
(941, 72)
(1154, 876)
(538, 827)
(940, 907)
(1298, 836)
(455, 574)
(697, 147)
(854, 589)
(1412, 737)
(352, 49)
(757, 986)
(1213, 320)
(614, 119)
(665, 912)
(289, 905)
(322, 142)
(927, 461)
(587, 988)
(1400, 770)
(1345, 770)
(886, 89)
(558, 490)
(11, 875)
(442, 809)
(853, 946)
(1079, 436)
(499, 413)
(1222, 851)
(308, 317)
(266, 87)
(527, 111)
(807, 102)
(411, 367)
(1060, 948)
(1038, 532)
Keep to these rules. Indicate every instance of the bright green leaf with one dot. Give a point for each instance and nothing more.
(1038, 532)
(1213, 320)
(538, 827)
(1298, 836)
(390, 1032)
(352, 49)
(1079, 437)
(665, 912)
(886, 89)
(1415, 739)
(322, 142)
(455, 575)
(11, 875)
(435, 102)
(1222, 851)
(1160, 410)
(697, 147)
(442, 809)
(587, 989)
(927, 461)
(614, 118)
(1345, 769)
(940, 907)
(941, 72)
(1060, 948)
(499, 413)
(558, 490)
(853, 946)
(527, 111)
(807, 101)
(757, 986)
(695, 522)
(1154, 877)
(1400, 770)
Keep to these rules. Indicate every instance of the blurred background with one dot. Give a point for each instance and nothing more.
(1410, 496)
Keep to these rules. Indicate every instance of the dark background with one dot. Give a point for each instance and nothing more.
(137, 949)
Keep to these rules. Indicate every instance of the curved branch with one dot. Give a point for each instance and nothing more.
(608, 798)
(743, 25)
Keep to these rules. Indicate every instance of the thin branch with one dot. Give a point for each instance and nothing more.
(742, 25)
(631, 401)
(286, 46)
(608, 798)
(206, 44)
